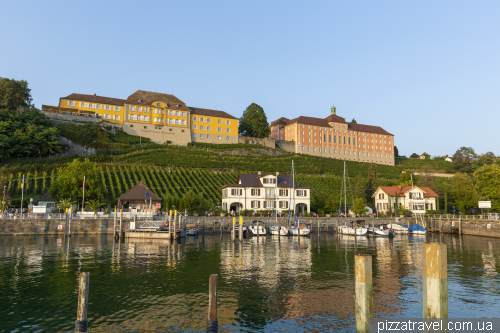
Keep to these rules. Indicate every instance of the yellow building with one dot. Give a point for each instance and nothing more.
(160, 117)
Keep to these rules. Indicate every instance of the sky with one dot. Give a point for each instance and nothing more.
(426, 71)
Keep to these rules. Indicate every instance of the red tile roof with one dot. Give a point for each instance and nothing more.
(367, 128)
(281, 121)
(142, 97)
(391, 190)
(95, 99)
(211, 113)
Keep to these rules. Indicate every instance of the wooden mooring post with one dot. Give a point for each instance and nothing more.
(70, 221)
(174, 236)
(81, 322)
(212, 322)
(240, 229)
(114, 224)
(434, 280)
(364, 291)
(233, 235)
(121, 223)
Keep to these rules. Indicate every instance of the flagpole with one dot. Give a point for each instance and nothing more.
(83, 199)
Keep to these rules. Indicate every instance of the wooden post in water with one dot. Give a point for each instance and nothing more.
(435, 280)
(83, 300)
(70, 221)
(114, 224)
(66, 226)
(121, 222)
(175, 225)
(212, 322)
(460, 225)
(233, 235)
(440, 225)
(240, 229)
(364, 291)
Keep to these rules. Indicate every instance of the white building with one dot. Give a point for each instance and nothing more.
(415, 199)
(265, 192)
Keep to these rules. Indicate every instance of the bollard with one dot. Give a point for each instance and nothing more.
(440, 225)
(364, 291)
(233, 235)
(212, 323)
(66, 226)
(121, 223)
(174, 236)
(460, 225)
(70, 222)
(240, 229)
(83, 300)
(435, 280)
(114, 224)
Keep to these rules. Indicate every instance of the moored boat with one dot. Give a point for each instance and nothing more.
(278, 230)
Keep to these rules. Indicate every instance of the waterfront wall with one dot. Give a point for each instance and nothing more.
(105, 226)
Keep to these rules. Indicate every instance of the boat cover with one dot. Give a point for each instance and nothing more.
(416, 227)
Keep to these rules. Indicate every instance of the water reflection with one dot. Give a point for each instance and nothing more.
(265, 283)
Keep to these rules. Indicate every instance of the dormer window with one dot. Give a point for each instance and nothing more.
(269, 181)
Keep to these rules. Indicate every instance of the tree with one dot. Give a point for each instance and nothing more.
(353, 121)
(331, 205)
(484, 159)
(463, 159)
(487, 179)
(359, 206)
(254, 123)
(371, 181)
(69, 182)
(189, 201)
(414, 155)
(359, 187)
(14, 94)
(463, 192)
(406, 178)
(396, 151)
(94, 205)
(65, 204)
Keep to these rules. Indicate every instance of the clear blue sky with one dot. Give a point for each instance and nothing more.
(426, 71)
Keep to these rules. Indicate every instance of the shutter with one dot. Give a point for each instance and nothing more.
(305, 193)
(297, 192)
(258, 192)
(232, 191)
(258, 206)
(286, 193)
(275, 204)
(286, 206)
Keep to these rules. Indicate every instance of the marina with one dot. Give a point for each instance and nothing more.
(271, 284)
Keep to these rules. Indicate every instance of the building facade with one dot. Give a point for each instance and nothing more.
(413, 198)
(335, 138)
(266, 192)
(160, 117)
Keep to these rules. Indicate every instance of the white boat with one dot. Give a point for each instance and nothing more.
(257, 228)
(348, 230)
(399, 229)
(191, 231)
(277, 230)
(302, 230)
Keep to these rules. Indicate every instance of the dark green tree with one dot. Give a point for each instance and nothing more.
(353, 121)
(359, 187)
(14, 94)
(371, 181)
(414, 155)
(254, 123)
(396, 151)
(463, 159)
(463, 192)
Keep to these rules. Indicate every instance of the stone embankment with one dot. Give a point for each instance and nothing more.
(213, 224)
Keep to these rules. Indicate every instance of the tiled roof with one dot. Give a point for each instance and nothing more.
(95, 99)
(210, 113)
(367, 128)
(46, 197)
(391, 190)
(148, 97)
(138, 192)
(425, 154)
(333, 118)
(252, 180)
(281, 121)
(309, 121)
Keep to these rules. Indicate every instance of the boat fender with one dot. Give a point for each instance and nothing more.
(301, 227)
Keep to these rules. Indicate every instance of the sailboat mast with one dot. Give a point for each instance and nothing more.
(275, 194)
(345, 194)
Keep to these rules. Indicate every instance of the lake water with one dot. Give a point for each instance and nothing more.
(295, 285)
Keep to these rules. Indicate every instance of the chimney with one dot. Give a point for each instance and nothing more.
(94, 94)
(399, 187)
(258, 173)
(277, 173)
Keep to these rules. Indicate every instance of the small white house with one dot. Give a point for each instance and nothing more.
(44, 204)
(266, 192)
(413, 198)
(448, 159)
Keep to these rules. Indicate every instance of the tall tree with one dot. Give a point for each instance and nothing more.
(254, 123)
(463, 192)
(414, 155)
(371, 181)
(14, 94)
(396, 151)
(359, 187)
(463, 159)
(353, 121)
(69, 182)
(487, 179)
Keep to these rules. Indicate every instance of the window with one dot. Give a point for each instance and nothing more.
(349, 141)
(208, 135)
(183, 122)
(132, 108)
(146, 110)
(228, 130)
(302, 139)
(314, 149)
(154, 119)
(219, 137)
(139, 109)
(228, 122)
(201, 136)
(334, 139)
(117, 108)
(209, 128)
(202, 119)
(194, 126)
(329, 151)
(301, 193)
(302, 148)
(83, 104)
(91, 105)
(132, 117)
(283, 204)
(255, 204)
(283, 193)
(220, 121)
(195, 118)
(183, 114)
(177, 121)
(171, 113)
(177, 113)
(209, 120)
(107, 116)
(255, 192)
(71, 103)
(117, 118)
(194, 135)
(227, 139)
(268, 204)
(107, 107)
(202, 128)
(236, 191)
(219, 129)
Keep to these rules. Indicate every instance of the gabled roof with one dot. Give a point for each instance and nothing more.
(148, 97)
(95, 99)
(280, 121)
(309, 121)
(253, 180)
(333, 118)
(46, 197)
(210, 113)
(138, 192)
(391, 190)
(367, 128)
(425, 154)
